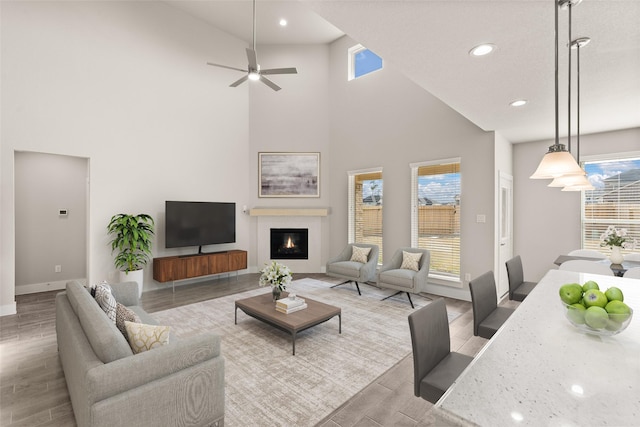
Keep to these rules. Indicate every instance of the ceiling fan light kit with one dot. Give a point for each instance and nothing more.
(253, 71)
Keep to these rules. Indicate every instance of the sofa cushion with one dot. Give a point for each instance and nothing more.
(106, 301)
(359, 254)
(123, 313)
(106, 340)
(411, 260)
(146, 337)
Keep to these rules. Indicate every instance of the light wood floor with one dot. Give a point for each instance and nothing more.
(33, 391)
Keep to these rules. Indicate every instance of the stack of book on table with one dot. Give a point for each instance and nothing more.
(288, 305)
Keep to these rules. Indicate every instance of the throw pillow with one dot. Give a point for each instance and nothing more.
(125, 314)
(146, 337)
(411, 260)
(106, 301)
(360, 254)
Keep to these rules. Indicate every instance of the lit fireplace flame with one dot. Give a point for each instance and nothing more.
(289, 244)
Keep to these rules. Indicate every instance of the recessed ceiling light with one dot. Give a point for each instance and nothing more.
(482, 49)
(518, 102)
(283, 22)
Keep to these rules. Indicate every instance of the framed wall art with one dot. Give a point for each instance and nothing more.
(289, 174)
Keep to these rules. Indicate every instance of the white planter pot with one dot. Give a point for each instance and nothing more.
(133, 276)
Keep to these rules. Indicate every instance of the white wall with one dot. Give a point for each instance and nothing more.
(126, 85)
(294, 119)
(44, 184)
(385, 120)
(547, 220)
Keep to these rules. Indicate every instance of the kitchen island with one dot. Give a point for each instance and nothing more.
(539, 370)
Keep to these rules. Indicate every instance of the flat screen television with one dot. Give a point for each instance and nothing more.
(199, 224)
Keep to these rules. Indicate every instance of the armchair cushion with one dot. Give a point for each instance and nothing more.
(360, 254)
(400, 277)
(411, 260)
(346, 268)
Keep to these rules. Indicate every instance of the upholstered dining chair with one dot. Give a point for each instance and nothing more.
(632, 273)
(634, 256)
(584, 266)
(518, 288)
(588, 253)
(407, 271)
(487, 316)
(354, 265)
(435, 366)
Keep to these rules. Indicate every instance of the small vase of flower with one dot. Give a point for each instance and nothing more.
(276, 275)
(616, 239)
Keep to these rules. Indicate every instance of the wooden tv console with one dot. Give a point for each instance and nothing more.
(180, 267)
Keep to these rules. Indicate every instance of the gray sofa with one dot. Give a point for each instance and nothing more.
(178, 384)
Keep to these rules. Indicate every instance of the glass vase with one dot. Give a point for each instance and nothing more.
(275, 293)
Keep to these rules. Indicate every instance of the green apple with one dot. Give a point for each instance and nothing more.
(614, 294)
(590, 285)
(596, 317)
(613, 325)
(575, 313)
(570, 293)
(594, 297)
(618, 310)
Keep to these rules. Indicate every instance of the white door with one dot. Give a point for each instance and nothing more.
(505, 228)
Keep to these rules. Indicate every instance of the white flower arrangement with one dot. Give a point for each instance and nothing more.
(275, 275)
(614, 237)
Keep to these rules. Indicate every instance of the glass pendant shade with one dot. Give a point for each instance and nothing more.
(557, 163)
(582, 186)
(569, 180)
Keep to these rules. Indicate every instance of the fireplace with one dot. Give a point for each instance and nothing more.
(289, 243)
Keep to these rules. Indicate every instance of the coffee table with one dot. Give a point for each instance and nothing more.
(263, 308)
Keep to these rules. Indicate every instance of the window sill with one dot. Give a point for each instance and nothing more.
(453, 282)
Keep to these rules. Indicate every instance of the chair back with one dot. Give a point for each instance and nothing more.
(584, 266)
(588, 253)
(514, 273)
(430, 339)
(634, 256)
(632, 273)
(484, 298)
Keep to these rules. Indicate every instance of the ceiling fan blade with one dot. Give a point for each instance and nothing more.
(269, 83)
(279, 71)
(239, 81)
(253, 59)
(225, 66)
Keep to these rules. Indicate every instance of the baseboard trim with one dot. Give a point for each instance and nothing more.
(8, 309)
(34, 288)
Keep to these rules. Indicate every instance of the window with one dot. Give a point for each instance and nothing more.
(614, 201)
(362, 61)
(365, 208)
(435, 215)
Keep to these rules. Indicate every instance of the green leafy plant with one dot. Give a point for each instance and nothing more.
(132, 239)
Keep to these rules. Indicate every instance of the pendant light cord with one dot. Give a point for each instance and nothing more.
(569, 85)
(557, 6)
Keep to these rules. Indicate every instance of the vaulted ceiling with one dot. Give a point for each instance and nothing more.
(429, 41)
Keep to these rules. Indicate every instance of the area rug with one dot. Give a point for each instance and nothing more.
(265, 385)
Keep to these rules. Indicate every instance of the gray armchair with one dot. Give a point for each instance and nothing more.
(342, 267)
(391, 276)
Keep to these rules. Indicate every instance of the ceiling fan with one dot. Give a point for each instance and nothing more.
(253, 69)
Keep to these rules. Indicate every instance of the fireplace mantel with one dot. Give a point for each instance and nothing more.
(289, 212)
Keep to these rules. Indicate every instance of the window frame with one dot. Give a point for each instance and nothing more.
(584, 221)
(351, 206)
(351, 61)
(434, 277)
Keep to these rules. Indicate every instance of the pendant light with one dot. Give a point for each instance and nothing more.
(558, 161)
(583, 184)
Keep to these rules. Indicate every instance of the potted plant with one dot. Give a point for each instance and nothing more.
(132, 239)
